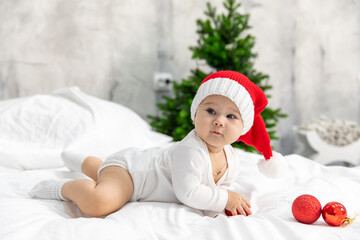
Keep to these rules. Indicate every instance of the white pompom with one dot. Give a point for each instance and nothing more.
(275, 167)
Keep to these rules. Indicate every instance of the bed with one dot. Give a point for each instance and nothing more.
(36, 129)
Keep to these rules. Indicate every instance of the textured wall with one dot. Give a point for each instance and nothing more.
(311, 49)
(110, 49)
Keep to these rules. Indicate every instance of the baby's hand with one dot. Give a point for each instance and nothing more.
(237, 204)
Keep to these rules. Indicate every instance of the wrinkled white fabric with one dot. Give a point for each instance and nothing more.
(36, 129)
(25, 218)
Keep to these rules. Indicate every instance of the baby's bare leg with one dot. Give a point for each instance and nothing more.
(90, 167)
(113, 190)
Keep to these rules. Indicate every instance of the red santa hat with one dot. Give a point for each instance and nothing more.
(251, 101)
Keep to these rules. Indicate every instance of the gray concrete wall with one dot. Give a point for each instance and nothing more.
(111, 49)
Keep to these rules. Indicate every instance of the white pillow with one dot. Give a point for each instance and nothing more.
(35, 130)
(115, 127)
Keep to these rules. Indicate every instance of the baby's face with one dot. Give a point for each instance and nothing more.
(218, 121)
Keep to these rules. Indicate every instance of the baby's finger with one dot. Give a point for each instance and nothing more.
(247, 203)
(234, 212)
(241, 211)
(247, 210)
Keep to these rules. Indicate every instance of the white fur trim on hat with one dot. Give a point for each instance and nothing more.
(275, 167)
(231, 89)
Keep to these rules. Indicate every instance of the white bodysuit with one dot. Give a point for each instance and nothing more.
(181, 173)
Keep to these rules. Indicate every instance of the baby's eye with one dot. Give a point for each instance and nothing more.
(211, 111)
(231, 116)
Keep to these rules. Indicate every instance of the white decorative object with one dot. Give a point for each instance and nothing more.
(327, 153)
(333, 140)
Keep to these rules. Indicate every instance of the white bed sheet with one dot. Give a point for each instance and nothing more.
(34, 131)
(25, 218)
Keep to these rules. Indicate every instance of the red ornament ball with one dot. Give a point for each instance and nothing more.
(228, 213)
(334, 213)
(306, 209)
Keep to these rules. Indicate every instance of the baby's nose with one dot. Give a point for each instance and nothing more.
(218, 122)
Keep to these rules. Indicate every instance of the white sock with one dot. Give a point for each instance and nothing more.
(73, 160)
(49, 189)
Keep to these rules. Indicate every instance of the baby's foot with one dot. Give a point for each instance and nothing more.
(73, 160)
(49, 189)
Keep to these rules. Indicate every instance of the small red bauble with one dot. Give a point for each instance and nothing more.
(334, 213)
(306, 209)
(228, 213)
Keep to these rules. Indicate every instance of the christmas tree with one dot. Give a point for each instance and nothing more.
(223, 44)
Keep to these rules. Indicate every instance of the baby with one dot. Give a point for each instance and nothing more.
(197, 171)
